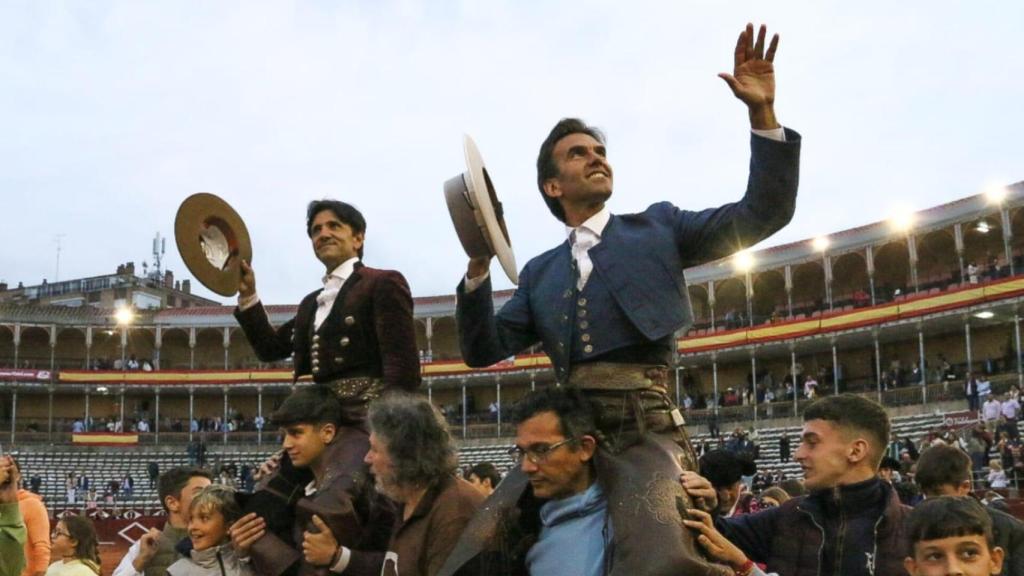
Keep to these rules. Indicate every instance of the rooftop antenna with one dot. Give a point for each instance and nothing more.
(159, 248)
(56, 238)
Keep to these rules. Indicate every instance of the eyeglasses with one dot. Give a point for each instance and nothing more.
(535, 454)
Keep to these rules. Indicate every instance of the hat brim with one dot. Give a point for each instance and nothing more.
(212, 240)
(477, 214)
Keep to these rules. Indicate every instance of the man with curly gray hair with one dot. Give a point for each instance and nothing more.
(413, 459)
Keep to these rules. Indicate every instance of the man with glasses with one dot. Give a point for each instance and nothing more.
(560, 525)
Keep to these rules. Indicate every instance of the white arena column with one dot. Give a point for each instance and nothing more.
(224, 421)
(14, 408)
(1016, 342)
(967, 345)
(259, 413)
(753, 383)
(497, 391)
(464, 427)
(878, 366)
(156, 415)
(835, 367)
(792, 372)
(191, 409)
(921, 366)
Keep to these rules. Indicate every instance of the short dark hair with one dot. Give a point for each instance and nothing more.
(547, 168)
(948, 517)
(942, 465)
(309, 405)
(485, 471)
(577, 414)
(723, 468)
(854, 412)
(172, 482)
(793, 486)
(417, 438)
(347, 213)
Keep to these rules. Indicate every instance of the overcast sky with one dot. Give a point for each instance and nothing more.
(111, 113)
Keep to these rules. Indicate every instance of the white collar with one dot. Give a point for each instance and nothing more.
(343, 271)
(311, 488)
(595, 224)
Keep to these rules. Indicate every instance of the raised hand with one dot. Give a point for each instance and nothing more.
(147, 549)
(753, 76)
(245, 532)
(247, 281)
(319, 547)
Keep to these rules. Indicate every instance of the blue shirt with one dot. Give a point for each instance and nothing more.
(575, 534)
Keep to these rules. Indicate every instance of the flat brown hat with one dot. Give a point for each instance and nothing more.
(212, 240)
(478, 217)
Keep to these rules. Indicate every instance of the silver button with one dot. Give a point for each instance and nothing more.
(567, 294)
(315, 346)
(344, 340)
(582, 312)
(582, 301)
(584, 325)
(316, 369)
(350, 320)
(561, 346)
(316, 361)
(585, 337)
(588, 349)
(339, 359)
(316, 337)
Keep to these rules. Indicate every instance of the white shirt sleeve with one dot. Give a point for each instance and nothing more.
(126, 568)
(244, 303)
(778, 134)
(474, 283)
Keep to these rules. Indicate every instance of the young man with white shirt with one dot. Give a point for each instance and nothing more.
(606, 304)
(355, 336)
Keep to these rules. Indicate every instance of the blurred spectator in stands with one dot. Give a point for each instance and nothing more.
(70, 494)
(861, 298)
(810, 387)
(35, 483)
(493, 409)
(996, 476)
(889, 470)
(225, 478)
(725, 470)
(730, 398)
(75, 537)
(484, 476)
(155, 551)
(991, 409)
(128, 485)
(37, 523)
(916, 374)
(153, 471)
(972, 273)
(142, 426)
(91, 501)
(246, 478)
(209, 551)
(971, 392)
(1010, 407)
(147, 366)
(784, 453)
(133, 363)
(976, 447)
(78, 427)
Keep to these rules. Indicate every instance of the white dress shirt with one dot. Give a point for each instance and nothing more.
(333, 282)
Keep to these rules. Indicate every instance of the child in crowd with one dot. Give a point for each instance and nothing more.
(208, 550)
(952, 535)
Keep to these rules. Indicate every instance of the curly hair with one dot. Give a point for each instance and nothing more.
(417, 439)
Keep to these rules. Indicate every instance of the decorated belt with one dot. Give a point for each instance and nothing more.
(619, 377)
(359, 390)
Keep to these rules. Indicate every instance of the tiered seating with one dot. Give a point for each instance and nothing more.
(102, 467)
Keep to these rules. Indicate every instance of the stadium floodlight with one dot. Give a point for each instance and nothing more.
(996, 193)
(984, 314)
(902, 220)
(821, 243)
(124, 316)
(743, 261)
